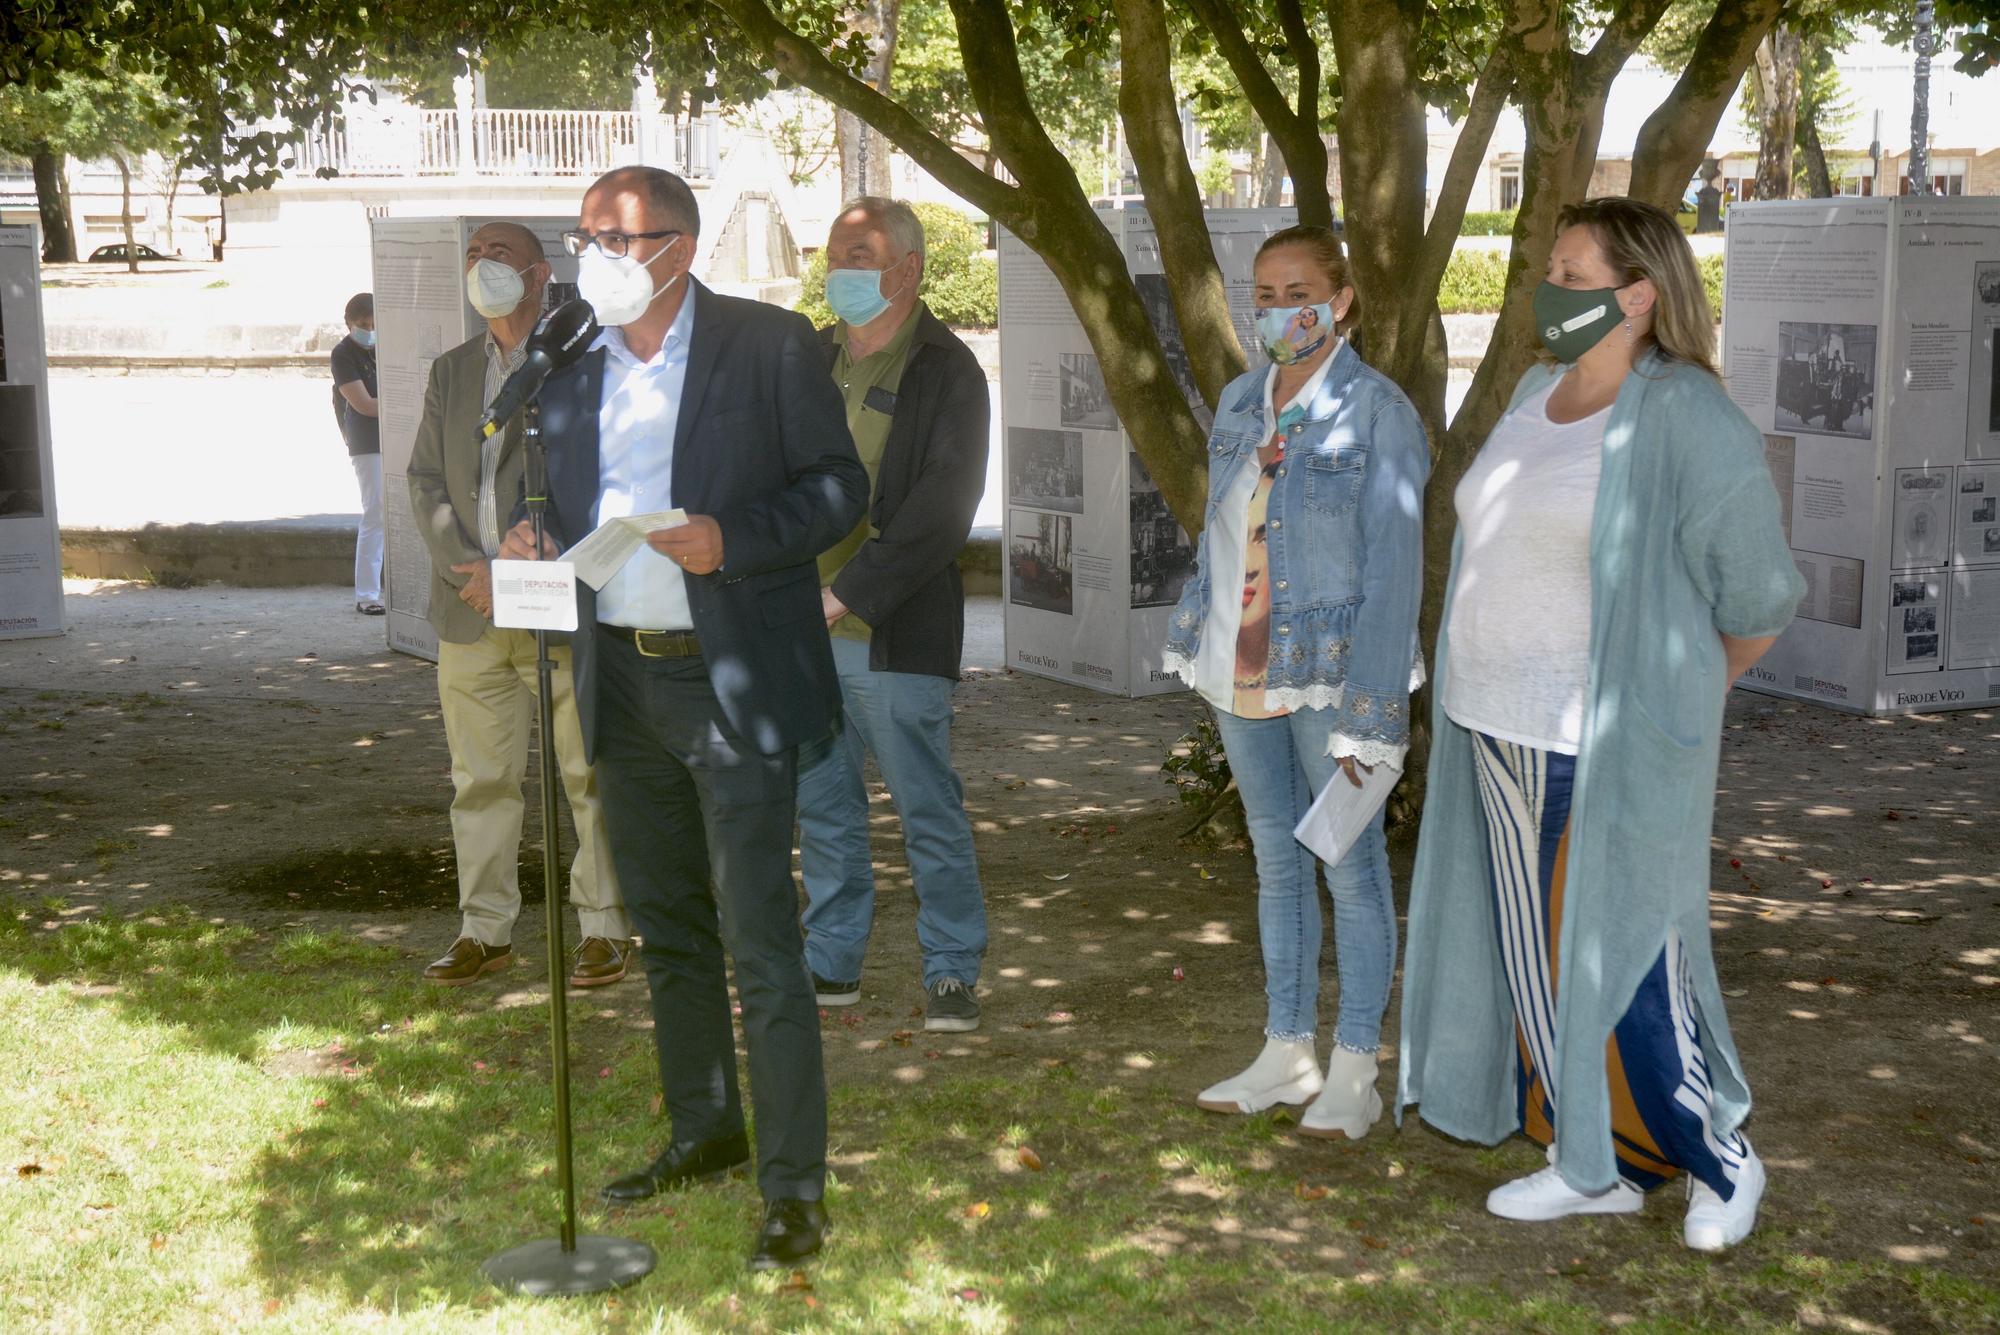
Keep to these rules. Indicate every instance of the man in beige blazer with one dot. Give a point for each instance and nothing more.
(462, 493)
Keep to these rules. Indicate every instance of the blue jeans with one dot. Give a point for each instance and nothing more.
(1279, 764)
(904, 720)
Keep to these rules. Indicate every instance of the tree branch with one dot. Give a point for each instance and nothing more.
(1475, 132)
(1676, 136)
(1631, 25)
(799, 60)
(1296, 132)
(1150, 108)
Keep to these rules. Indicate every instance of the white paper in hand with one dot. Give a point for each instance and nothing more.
(604, 553)
(1341, 811)
(534, 595)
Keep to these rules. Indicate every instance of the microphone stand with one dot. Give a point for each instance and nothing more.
(567, 1264)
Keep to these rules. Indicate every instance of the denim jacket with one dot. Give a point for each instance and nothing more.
(1345, 538)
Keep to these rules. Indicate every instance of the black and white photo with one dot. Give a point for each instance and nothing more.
(1162, 552)
(1085, 402)
(1919, 620)
(1826, 378)
(1045, 468)
(1916, 647)
(1159, 304)
(1911, 591)
(1039, 563)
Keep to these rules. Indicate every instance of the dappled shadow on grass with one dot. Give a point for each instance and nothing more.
(373, 880)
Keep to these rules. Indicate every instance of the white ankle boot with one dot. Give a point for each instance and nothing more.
(1348, 1105)
(1284, 1072)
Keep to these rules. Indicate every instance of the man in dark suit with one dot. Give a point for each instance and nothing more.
(702, 666)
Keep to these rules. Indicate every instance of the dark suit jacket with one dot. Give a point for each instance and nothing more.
(904, 582)
(761, 446)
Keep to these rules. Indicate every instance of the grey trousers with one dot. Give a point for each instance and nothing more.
(688, 805)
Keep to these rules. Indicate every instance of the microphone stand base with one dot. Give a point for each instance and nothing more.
(543, 1269)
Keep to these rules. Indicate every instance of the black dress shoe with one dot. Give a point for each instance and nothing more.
(793, 1230)
(682, 1162)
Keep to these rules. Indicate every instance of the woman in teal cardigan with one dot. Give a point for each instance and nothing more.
(1619, 563)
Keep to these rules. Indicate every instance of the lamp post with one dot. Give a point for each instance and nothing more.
(1925, 44)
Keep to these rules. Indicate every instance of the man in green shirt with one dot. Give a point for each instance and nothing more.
(918, 409)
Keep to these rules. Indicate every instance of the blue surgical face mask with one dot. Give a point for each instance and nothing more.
(856, 294)
(365, 337)
(1293, 333)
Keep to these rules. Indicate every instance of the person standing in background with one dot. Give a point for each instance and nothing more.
(360, 414)
(918, 410)
(462, 492)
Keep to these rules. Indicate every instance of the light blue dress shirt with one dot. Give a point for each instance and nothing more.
(636, 418)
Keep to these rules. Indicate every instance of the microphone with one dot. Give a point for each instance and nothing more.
(562, 337)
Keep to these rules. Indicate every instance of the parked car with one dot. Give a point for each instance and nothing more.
(115, 254)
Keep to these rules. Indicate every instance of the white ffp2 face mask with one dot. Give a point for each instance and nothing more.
(619, 290)
(494, 290)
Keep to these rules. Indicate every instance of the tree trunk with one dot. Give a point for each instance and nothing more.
(1819, 181)
(125, 209)
(1777, 95)
(1676, 137)
(1271, 179)
(52, 199)
(864, 150)
(222, 224)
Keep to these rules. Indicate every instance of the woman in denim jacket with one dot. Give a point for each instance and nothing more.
(1300, 629)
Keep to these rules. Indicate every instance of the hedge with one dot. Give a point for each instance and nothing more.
(1500, 222)
(961, 281)
(1475, 281)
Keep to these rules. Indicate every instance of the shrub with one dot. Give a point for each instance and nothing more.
(1499, 222)
(1474, 282)
(961, 281)
(1711, 282)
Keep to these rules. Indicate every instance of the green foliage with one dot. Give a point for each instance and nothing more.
(1711, 282)
(1497, 222)
(1197, 768)
(121, 109)
(961, 281)
(564, 69)
(1475, 281)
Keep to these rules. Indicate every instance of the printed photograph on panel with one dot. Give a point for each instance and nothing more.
(1826, 378)
(1920, 648)
(1922, 518)
(1159, 304)
(1916, 626)
(21, 492)
(1162, 552)
(1085, 402)
(1781, 456)
(1983, 401)
(1045, 468)
(1039, 561)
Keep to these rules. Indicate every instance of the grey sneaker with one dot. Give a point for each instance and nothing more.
(950, 1007)
(836, 992)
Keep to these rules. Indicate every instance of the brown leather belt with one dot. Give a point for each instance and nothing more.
(655, 643)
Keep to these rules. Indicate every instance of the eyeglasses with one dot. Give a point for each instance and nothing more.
(614, 244)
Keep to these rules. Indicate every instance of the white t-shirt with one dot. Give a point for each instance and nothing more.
(1519, 619)
(1214, 669)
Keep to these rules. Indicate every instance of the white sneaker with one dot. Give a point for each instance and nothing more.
(1714, 1224)
(1348, 1104)
(1284, 1072)
(1544, 1195)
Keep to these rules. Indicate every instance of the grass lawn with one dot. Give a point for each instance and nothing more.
(209, 1128)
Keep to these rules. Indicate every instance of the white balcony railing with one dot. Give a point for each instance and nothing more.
(409, 141)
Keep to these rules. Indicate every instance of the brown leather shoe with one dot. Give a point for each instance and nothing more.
(467, 961)
(598, 960)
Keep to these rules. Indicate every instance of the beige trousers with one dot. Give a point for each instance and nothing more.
(487, 692)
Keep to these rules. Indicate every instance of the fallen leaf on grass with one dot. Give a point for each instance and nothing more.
(603, 1072)
(271, 1306)
(1306, 1193)
(798, 1283)
(978, 1210)
(1030, 1160)
(968, 1295)
(1064, 877)
(1180, 974)
(29, 1169)
(159, 1242)
(901, 1038)
(1375, 1243)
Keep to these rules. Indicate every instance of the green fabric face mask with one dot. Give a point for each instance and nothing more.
(1572, 321)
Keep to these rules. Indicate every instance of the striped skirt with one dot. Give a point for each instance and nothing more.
(1661, 1109)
